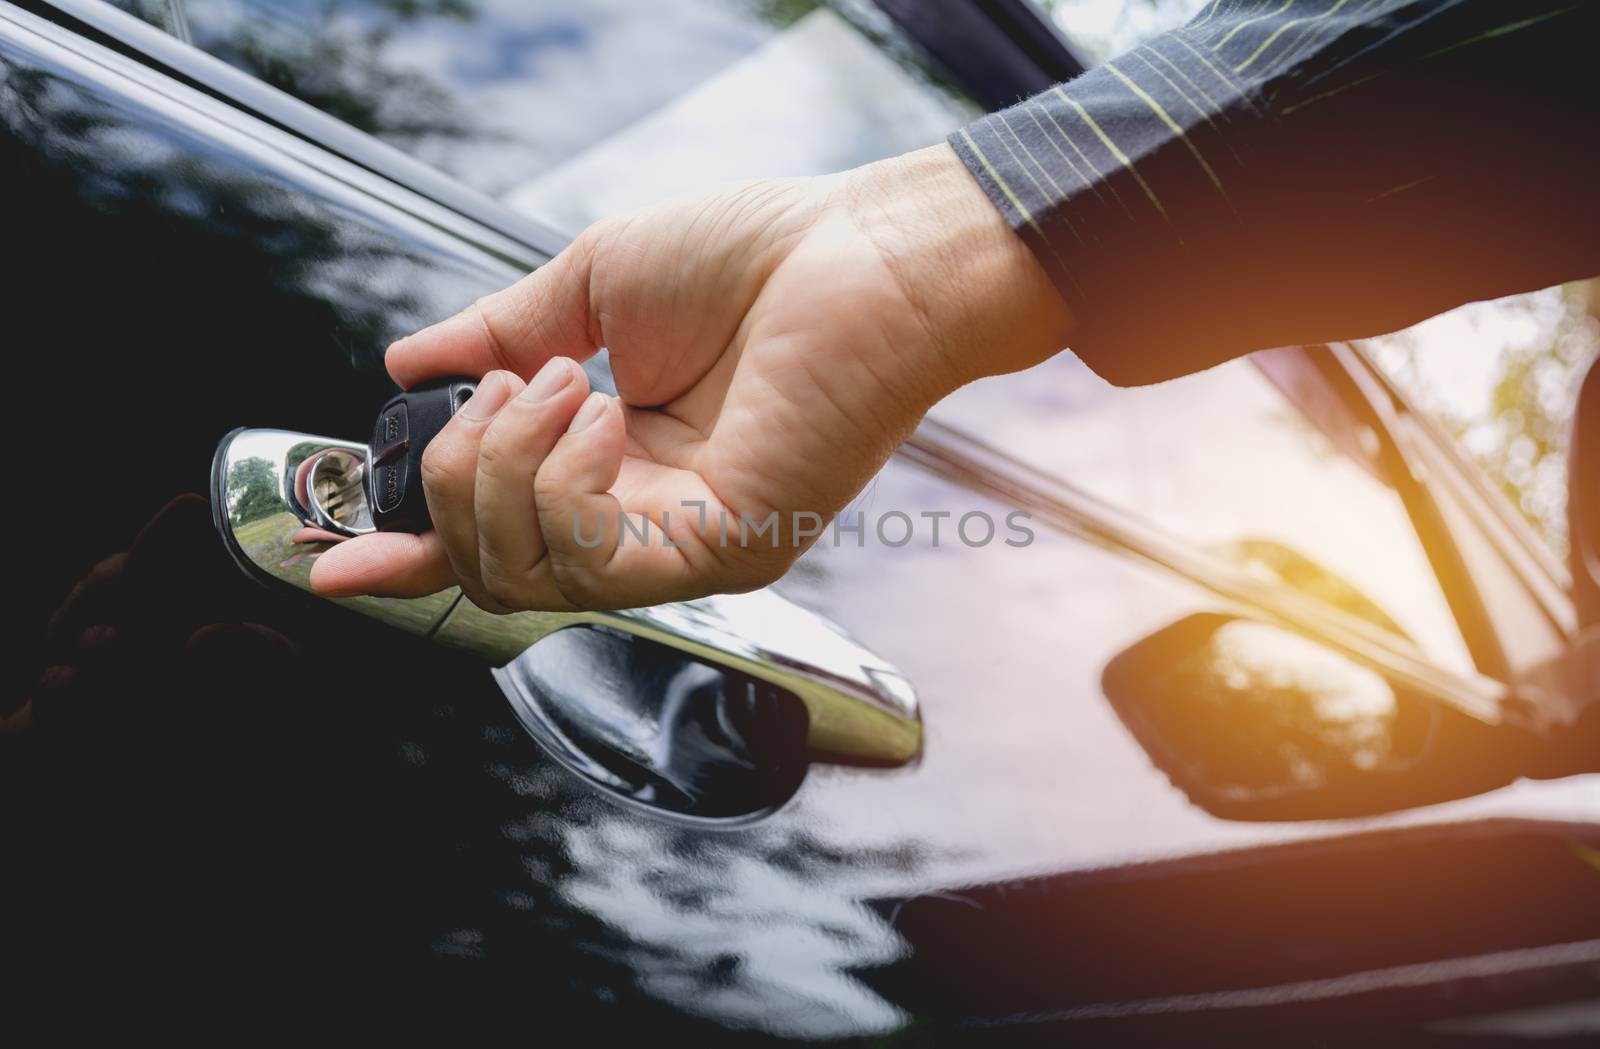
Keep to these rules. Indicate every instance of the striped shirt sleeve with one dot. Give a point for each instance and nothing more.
(1293, 171)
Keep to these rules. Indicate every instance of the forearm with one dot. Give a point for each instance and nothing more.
(1278, 173)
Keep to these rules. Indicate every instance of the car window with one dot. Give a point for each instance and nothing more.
(1102, 29)
(1224, 461)
(568, 110)
(1502, 377)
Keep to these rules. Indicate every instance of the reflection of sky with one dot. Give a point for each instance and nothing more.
(817, 98)
(1452, 360)
(1216, 457)
(1106, 28)
(537, 80)
(552, 78)
(781, 966)
(648, 97)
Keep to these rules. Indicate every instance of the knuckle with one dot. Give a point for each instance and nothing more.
(492, 314)
(550, 483)
(503, 590)
(440, 464)
(598, 234)
(580, 585)
(488, 602)
(496, 451)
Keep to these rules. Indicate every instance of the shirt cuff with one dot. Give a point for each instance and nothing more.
(1118, 181)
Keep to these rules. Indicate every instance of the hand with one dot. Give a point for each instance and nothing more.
(772, 344)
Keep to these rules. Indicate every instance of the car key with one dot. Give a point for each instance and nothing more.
(408, 421)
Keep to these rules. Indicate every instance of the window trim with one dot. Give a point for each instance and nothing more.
(1410, 448)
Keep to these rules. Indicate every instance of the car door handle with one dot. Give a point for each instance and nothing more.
(280, 498)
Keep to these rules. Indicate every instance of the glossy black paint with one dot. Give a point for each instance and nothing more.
(1135, 935)
(222, 779)
(129, 35)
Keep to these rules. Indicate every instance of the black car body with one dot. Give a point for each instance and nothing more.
(222, 777)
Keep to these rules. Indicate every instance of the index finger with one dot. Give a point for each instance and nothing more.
(545, 314)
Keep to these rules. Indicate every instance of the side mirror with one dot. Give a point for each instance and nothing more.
(1254, 722)
(1288, 567)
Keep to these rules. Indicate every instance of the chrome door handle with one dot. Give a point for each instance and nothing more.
(280, 498)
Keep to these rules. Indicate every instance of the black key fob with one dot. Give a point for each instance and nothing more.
(394, 457)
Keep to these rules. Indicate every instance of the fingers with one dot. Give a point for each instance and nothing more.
(385, 564)
(545, 314)
(578, 515)
(520, 484)
(449, 476)
(592, 561)
(511, 548)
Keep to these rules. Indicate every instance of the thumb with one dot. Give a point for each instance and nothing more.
(384, 564)
(545, 314)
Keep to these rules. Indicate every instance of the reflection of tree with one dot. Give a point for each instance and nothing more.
(252, 491)
(340, 64)
(1532, 414)
(441, 79)
(335, 55)
(781, 13)
(1265, 711)
(1521, 435)
(143, 189)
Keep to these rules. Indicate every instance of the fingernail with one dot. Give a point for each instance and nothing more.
(592, 409)
(551, 379)
(487, 399)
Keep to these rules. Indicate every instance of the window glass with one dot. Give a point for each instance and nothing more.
(569, 110)
(1502, 378)
(1221, 460)
(1102, 29)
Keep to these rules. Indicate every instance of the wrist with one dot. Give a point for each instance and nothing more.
(987, 304)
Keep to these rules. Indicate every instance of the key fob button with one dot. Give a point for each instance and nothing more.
(394, 456)
(390, 434)
(389, 486)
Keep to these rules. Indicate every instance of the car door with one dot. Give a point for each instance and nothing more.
(218, 774)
